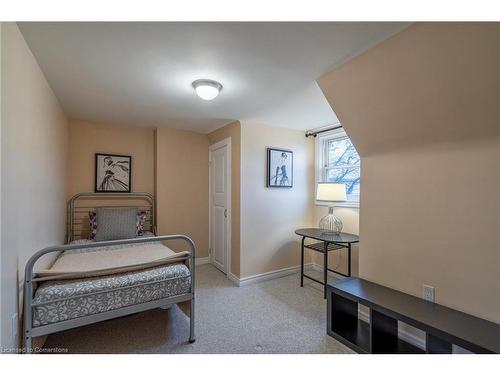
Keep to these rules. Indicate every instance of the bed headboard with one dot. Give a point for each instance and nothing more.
(79, 205)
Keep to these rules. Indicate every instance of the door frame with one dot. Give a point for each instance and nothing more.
(225, 142)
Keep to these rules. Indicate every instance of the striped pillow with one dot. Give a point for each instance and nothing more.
(116, 223)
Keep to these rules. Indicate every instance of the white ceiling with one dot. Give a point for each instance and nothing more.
(141, 73)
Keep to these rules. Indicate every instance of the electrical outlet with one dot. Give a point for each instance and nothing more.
(428, 293)
(14, 326)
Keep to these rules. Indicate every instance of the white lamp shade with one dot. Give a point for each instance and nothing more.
(331, 192)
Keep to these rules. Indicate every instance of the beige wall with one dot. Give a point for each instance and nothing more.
(182, 185)
(1, 120)
(34, 143)
(172, 164)
(422, 110)
(233, 131)
(269, 216)
(86, 139)
(338, 259)
(438, 224)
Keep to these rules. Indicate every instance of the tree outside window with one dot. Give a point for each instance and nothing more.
(342, 165)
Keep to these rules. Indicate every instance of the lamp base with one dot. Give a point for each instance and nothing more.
(331, 224)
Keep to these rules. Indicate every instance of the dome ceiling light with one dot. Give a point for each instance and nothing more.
(207, 89)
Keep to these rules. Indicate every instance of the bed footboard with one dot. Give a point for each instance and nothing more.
(30, 279)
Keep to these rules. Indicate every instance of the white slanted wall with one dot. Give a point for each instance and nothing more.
(33, 170)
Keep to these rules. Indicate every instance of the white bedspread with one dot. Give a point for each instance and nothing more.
(112, 259)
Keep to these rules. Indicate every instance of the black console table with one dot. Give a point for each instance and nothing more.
(443, 326)
(328, 242)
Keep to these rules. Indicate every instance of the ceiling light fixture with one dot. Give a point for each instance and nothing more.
(207, 89)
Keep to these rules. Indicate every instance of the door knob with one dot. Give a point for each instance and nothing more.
(225, 213)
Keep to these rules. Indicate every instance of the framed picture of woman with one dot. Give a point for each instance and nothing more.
(113, 173)
(279, 168)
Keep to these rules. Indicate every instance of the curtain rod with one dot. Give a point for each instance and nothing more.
(314, 134)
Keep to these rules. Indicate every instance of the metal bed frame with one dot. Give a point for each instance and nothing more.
(30, 278)
(77, 213)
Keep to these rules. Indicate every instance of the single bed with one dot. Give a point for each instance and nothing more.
(92, 281)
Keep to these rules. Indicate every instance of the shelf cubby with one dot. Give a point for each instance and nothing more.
(384, 336)
(346, 326)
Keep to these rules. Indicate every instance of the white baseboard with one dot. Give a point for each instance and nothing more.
(201, 261)
(404, 334)
(247, 280)
(276, 274)
(234, 278)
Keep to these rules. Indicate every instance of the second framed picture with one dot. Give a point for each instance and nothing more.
(279, 168)
(112, 173)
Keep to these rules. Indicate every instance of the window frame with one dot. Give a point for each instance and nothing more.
(320, 169)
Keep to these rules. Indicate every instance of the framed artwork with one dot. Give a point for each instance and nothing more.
(279, 168)
(112, 173)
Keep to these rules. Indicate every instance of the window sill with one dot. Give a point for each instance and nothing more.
(338, 204)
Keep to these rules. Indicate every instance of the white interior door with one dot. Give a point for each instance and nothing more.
(219, 199)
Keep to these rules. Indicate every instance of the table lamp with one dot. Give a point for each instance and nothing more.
(330, 192)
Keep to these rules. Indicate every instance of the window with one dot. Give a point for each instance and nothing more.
(339, 162)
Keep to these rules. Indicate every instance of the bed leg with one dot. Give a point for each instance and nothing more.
(27, 318)
(192, 338)
(27, 343)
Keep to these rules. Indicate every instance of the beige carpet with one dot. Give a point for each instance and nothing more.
(275, 316)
